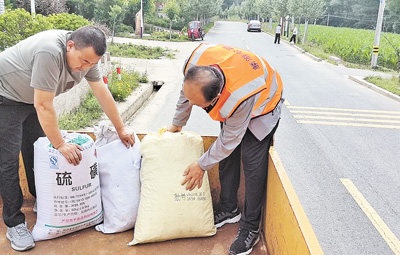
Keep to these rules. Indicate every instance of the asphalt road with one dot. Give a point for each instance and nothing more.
(339, 143)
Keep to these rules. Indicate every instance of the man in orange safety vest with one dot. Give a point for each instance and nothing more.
(244, 93)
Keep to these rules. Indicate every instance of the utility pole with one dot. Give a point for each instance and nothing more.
(378, 29)
(327, 22)
(141, 18)
(33, 7)
(2, 7)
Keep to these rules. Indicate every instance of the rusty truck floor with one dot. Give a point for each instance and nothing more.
(89, 241)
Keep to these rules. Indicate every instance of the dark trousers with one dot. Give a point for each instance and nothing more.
(254, 156)
(19, 129)
(277, 38)
(293, 38)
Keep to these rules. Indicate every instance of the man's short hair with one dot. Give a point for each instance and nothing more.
(211, 80)
(90, 36)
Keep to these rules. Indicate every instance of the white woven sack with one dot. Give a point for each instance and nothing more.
(167, 210)
(119, 184)
(68, 196)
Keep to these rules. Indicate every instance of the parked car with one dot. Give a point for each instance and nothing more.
(254, 25)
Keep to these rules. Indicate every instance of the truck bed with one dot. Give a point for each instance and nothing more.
(89, 241)
(285, 228)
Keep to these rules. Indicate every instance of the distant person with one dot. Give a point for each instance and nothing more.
(32, 73)
(278, 31)
(244, 93)
(294, 34)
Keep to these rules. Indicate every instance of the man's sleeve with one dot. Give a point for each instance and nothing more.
(45, 72)
(183, 110)
(231, 135)
(93, 74)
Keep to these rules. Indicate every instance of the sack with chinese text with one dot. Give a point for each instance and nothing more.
(68, 196)
(166, 209)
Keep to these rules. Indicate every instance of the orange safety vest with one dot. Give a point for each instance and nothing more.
(246, 74)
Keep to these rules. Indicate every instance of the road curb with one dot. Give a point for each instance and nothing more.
(297, 48)
(312, 56)
(360, 80)
(132, 103)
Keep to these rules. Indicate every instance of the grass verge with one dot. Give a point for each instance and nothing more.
(83, 116)
(391, 85)
(138, 51)
(90, 110)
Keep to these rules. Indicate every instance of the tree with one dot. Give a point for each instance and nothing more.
(171, 9)
(82, 7)
(310, 10)
(116, 11)
(280, 8)
(263, 8)
(9, 4)
(248, 9)
(228, 3)
(234, 10)
(200, 10)
(366, 10)
(44, 7)
(130, 13)
(106, 12)
(393, 15)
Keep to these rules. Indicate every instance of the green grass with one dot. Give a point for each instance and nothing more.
(121, 89)
(90, 110)
(354, 47)
(83, 116)
(138, 51)
(351, 45)
(164, 36)
(392, 85)
(316, 51)
(208, 27)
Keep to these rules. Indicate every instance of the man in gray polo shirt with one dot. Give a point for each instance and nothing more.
(32, 73)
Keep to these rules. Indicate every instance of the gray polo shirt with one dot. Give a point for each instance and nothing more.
(39, 62)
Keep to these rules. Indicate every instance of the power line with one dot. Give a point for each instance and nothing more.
(385, 21)
(330, 15)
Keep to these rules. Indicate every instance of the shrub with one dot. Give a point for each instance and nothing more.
(67, 21)
(18, 24)
(164, 22)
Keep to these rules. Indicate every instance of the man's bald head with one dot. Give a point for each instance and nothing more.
(208, 78)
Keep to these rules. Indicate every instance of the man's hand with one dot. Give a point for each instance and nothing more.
(193, 176)
(127, 136)
(174, 129)
(72, 152)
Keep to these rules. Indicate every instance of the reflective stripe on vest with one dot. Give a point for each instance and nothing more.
(249, 76)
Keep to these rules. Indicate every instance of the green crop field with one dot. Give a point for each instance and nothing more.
(355, 45)
(352, 45)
